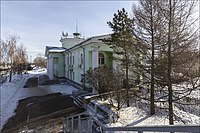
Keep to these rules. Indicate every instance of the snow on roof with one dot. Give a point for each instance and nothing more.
(55, 49)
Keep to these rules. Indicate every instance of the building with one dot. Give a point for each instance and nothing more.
(55, 61)
(76, 56)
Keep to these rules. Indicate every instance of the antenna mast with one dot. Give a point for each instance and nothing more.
(76, 34)
(76, 26)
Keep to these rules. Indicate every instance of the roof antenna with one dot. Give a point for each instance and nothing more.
(76, 26)
(76, 34)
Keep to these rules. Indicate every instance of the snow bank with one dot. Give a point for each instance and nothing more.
(9, 98)
(38, 71)
(132, 116)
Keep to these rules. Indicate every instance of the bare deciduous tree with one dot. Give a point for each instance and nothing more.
(148, 31)
(172, 38)
(2, 53)
(15, 55)
(11, 43)
(40, 61)
(20, 59)
(108, 83)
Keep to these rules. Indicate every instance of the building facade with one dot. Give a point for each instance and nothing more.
(76, 56)
(55, 61)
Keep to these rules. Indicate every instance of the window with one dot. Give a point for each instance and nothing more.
(101, 59)
(70, 60)
(73, 59)
(81, 58)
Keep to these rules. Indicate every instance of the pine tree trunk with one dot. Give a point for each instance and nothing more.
(127, 87)
(127, 81)
(171, 122)
(10, 77)
(152, 67)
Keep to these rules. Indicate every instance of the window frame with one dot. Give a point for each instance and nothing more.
(101, 59)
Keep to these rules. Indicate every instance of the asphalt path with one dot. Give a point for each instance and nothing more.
(33, 88)
(42, 103)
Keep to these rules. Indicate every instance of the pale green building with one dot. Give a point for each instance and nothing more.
(55, 61)
(90, 53)
(76, 56)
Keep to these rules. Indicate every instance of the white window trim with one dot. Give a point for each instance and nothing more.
(104, 54)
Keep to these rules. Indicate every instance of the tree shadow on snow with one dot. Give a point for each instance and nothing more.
(138, 121)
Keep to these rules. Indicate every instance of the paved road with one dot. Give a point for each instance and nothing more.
(32, 88)
(37, 91)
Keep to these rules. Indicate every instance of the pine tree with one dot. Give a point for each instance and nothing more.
(122, 41)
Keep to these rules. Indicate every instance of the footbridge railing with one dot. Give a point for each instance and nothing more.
(161, 128)
(103, 128)
(142, 129)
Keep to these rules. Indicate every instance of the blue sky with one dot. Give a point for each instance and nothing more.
(40, 23)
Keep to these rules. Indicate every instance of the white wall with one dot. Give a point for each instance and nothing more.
(50, 68)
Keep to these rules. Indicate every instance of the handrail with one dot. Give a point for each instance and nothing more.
(153, 128)
(141, 129)
(159, 128)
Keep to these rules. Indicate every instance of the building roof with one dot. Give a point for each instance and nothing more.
(53, 49)
(91, 39)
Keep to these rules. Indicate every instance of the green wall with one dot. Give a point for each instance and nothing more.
(106, 50)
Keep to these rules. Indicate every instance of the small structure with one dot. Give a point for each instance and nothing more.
(55, 61)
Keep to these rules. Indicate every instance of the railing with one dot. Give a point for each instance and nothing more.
(102, 128)
(140, 129)
(161, 128)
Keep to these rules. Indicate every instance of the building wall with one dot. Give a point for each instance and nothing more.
(70, 42)
(50, 68)
(74, 64)
(78, 59)
(84, 60)
(55, 65)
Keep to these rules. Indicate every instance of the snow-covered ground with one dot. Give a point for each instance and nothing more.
(133, 116)
(137, 115)
(12, 92)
